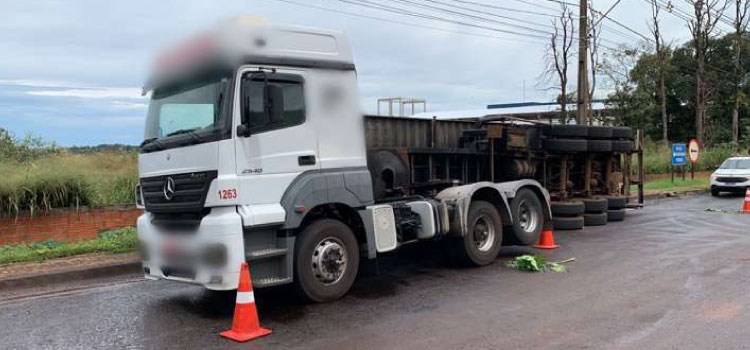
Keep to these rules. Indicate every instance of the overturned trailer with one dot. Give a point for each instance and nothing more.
(581, 166)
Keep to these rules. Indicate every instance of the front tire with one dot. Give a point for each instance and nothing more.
(326, 260)
(481, 243)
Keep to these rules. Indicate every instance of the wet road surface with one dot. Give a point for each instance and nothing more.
(672, 276)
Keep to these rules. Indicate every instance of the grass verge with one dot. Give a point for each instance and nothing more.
(666, 185)
(115, 241)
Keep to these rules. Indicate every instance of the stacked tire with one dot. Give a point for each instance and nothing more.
(616, 208)
(568, 139)
(595, 211)
(568, 215)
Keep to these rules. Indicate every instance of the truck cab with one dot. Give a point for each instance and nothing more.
(255, 150)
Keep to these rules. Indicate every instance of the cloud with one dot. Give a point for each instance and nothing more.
(133, 93)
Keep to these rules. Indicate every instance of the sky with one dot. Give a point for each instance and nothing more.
(72, 71)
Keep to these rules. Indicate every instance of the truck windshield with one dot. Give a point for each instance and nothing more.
(736, 164)
(189, 112)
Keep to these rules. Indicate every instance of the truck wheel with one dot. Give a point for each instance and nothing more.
(571, 208)
(567, 223)
(597, 219)
(326, 260)
(528, 217)
(481, 243)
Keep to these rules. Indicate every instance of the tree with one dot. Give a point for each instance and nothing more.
(559, 52)
(740, 26)
(659, 42)
(707, 14)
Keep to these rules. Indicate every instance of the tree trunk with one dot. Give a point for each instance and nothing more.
(699, 101)
(663, 105)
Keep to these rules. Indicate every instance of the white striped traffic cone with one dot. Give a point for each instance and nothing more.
(245, 325)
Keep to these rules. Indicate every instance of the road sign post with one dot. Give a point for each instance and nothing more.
(694, 152)
(679, 157)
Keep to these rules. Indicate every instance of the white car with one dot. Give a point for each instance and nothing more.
(732, 176)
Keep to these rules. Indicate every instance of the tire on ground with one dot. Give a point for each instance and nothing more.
(567, 222)
(622, 132)
(468, 250)
(622, 146)
(595, 204)
(528, 216)
(616, 214)
(599, 146)
(306, 247)
(598, 219)
(571, 208)
(616, 202)
(600, 132)
(565, 145)
(567, 131)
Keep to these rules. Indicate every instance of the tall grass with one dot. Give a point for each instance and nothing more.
(67, 180)
(657, 157)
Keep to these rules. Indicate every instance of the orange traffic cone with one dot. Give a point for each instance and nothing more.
(546, 241)
(245, 325)
(746, 204)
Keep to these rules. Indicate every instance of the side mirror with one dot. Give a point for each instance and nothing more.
(243, 130)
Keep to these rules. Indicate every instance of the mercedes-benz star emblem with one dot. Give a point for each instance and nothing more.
(169, 188)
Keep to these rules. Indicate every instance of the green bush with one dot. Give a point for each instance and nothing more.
(657, 157)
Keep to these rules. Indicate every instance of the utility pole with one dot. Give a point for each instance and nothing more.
(582, 103)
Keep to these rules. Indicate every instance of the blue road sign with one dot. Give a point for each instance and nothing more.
(679, 154)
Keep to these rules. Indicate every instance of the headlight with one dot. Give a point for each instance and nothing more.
(138, 196)
(714, 176)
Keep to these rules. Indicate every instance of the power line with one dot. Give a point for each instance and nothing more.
(410, 24)
(397, 10)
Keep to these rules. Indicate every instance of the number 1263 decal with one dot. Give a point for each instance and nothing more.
(228, 194)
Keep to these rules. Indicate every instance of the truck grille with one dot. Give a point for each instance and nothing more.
(184, 192)
(731, 179)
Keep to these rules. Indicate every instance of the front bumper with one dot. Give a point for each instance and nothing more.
(180, 256)
(738, 187)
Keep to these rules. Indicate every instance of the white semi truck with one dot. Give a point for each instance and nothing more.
(256, 150)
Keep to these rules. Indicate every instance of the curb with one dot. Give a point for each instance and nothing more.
(85, 273)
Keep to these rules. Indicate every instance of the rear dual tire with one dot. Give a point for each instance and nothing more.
(481, 243)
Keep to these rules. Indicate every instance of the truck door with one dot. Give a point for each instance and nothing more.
(282, 141)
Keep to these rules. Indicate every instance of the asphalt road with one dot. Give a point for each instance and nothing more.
(672, 276)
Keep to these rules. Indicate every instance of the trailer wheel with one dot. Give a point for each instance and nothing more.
(528, 217)
(597, 219)
(481, 243)
(567, 223)
(616, 214)
(599, 146)
(571, 208)
(595, 204)
(565, 145)
(567, 131)
(622, 146)
(600, 132)
(616, 202)
(326, 260)
(622, 132)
